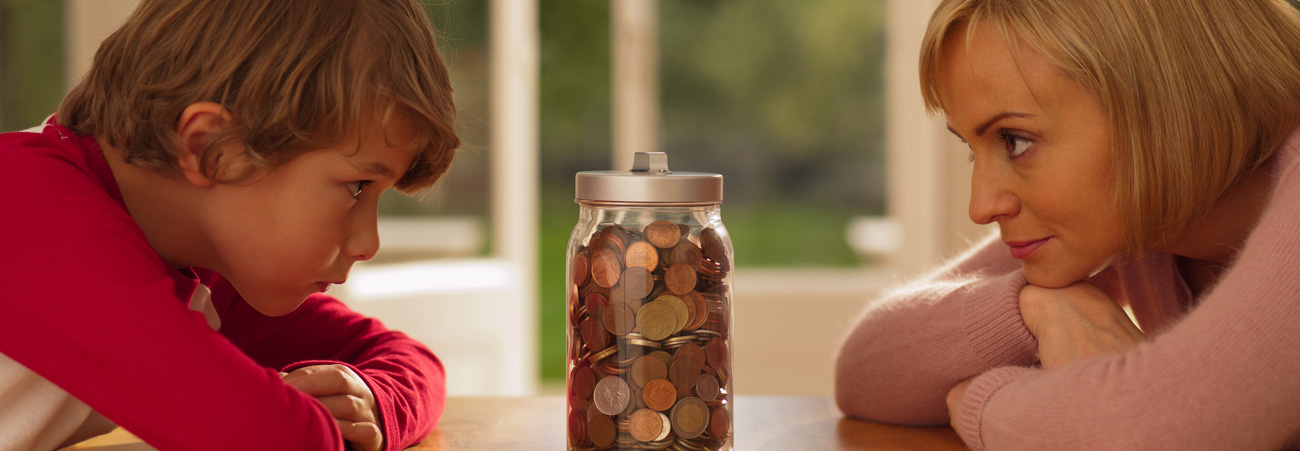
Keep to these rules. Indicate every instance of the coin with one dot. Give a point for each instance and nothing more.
(707, 387)
(596, 304)
(643, 254)
(659, 394)
(606, 268)
(593, 334)
(700, 309)
(680, 278)
(693, 354)
(663, 234)
(647, 368)
(711, 245)
(716, 352)
(577, 429)
(656, 320)
(680, 313)
(719, 422)
(619, 319)
(690, 417)
(646, 425)
(611, 395)
(686, 252)
(583, 381)
(581, 269)
(637, 283)
(683, 374)
(601, 430)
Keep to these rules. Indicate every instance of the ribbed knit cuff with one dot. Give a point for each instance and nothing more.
(993, 325)
(969, 425)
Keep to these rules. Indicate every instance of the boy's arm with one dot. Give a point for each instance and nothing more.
(88, 305)
(407, 380)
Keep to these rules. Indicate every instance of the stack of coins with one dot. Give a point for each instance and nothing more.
(648, 334)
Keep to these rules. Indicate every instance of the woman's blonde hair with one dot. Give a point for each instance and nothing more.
(296, 75)
(1198, 93)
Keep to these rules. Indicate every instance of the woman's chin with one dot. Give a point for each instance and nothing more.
(1052, 276)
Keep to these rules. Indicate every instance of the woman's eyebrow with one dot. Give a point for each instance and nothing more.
(979, 131)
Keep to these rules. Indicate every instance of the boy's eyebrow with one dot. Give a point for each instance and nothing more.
(376, 168)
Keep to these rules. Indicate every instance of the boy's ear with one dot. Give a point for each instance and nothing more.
(199, 123)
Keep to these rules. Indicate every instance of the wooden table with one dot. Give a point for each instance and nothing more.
(763, 423)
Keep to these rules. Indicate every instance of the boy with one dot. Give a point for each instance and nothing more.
(167, 231)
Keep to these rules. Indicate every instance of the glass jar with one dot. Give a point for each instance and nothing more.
(649, 311)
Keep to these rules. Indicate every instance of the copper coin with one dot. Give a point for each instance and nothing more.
(683, 374)
(643, 254)
(596, 304)
(664, 357)
(583, 381)
(593, 334)
(581, 269)
(611, 395)
(606, 268)
(707, 387)
(690, 417)
(719, 423)
(701, 310)
(577, 403)
(681, 315)
(686, 252)
(680, 278)
(647, 368)
(577, 429)
(659, 394)
(619, 319)
(716, 352)
(646, 425)
(694, 355)
(601, 430)
(656, 320)
(663, 234)
(637, 282)
(711, 245)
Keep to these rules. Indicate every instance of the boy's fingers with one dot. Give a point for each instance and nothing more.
(348, 407)
(365, 435)
(322, 380)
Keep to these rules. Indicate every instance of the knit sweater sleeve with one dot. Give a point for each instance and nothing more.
(915, 344)
(406, 378)
(1224, 377)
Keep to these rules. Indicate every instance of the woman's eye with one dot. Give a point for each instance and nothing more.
(354, 188)
(1016, 146)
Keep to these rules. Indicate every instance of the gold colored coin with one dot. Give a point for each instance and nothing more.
(680, 278)
(690, 417)
(663, 234)
(643, 254)
(680, 313)
(606, 268)
(656, 320)
(647, 368)
(663, 356)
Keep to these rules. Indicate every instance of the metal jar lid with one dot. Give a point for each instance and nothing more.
(649, 181)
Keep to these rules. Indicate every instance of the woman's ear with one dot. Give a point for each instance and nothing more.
(199, 123)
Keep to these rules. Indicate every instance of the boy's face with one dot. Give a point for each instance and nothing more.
(293, 230)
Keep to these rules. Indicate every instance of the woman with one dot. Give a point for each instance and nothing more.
(1133, 153)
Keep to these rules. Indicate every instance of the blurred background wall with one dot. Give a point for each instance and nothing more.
(837, 183)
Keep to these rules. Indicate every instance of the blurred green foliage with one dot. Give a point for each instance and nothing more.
(31, 61)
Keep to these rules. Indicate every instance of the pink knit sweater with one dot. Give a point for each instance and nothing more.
(1221, 372)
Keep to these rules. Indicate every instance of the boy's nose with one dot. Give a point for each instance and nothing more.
(990, 200)
(363, 243)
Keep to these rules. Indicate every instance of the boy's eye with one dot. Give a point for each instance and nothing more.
(354, 188)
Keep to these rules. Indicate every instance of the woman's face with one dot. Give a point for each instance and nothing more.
(1041, 156)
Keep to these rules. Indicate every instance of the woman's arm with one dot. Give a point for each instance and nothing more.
(911, 347)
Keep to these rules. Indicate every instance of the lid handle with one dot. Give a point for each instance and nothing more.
(653, 162)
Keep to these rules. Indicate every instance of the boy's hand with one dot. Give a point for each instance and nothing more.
(1075, 323)
(347, 397)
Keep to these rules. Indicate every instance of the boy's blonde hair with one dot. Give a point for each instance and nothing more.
(1198, 93)
(296, 75)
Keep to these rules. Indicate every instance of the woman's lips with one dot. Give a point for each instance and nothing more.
(1023, 249)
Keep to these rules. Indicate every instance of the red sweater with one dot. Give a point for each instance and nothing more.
(91, 307)
(1221, 372)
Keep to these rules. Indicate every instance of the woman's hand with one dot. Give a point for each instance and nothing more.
(1075, 323)
(347, 397)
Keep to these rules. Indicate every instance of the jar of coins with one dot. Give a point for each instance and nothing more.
(649, 311)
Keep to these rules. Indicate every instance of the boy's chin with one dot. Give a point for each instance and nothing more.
(275, 305)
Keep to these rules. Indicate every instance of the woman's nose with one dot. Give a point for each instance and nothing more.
(990, 198)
